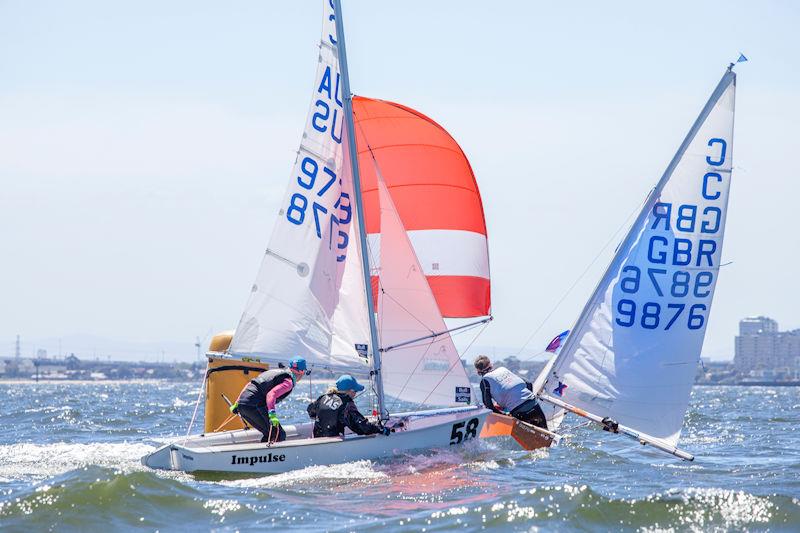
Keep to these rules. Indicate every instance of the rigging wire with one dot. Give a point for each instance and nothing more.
(197, 403)
(582, 275)
(422, 342)
(409, 313)
(411, 375)
(456, 363)
(453, 366)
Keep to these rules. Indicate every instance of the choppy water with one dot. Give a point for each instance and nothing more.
(69, 460)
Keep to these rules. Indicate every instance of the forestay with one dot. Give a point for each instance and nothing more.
(428, 371)
(633, 352)
(309, 297)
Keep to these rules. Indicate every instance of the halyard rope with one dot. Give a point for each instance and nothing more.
(582, 275)
(197, 403)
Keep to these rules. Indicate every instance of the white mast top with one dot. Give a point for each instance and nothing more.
(309, 297)
(351, 141)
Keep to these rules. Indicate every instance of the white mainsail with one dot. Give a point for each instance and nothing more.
(309, 297)
(427, 371)
(633, 352)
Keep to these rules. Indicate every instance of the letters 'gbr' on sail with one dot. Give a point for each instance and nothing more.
(633, 352)
(434, 189)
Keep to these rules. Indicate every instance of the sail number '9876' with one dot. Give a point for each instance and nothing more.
(673, 285)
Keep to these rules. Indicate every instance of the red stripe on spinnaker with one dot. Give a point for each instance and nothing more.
(431, 183)
(457, 296)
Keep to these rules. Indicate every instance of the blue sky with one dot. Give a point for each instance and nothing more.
(144, 147)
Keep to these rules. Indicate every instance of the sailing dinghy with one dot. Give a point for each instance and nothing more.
(357, 228)
(629, 362)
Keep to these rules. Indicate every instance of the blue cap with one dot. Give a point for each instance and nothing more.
(298, 363)
(348, 382)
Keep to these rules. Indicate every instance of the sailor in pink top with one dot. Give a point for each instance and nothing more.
(257, 401)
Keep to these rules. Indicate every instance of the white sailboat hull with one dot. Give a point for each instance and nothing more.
(241, 451)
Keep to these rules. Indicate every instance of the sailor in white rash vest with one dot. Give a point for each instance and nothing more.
(505, 392)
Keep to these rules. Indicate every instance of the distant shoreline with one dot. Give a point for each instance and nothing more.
(28, 381)
(327, 381)
(752, 384)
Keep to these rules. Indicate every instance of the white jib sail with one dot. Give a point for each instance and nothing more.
(309, 298)
(633, 352)
(427, 372)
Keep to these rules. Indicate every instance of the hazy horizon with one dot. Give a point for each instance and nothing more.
(144, 148)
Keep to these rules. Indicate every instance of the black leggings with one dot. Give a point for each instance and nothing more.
(258, 418)
(531, 412)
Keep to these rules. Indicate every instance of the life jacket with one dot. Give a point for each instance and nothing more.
(266, 381)
(508, 390)
(329, 414)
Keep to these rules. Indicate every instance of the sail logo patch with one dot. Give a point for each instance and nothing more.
(361, 349)
(463, 394)
(559, 391)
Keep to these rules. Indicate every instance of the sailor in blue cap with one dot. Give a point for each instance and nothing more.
(336, 409)
(257, 401)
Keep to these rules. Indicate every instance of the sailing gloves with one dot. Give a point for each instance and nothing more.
(273, 419)
(234, 408)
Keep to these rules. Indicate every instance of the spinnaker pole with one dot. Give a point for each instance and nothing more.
(362, 232)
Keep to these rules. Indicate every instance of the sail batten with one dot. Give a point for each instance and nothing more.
(310, 298)
(646, 320)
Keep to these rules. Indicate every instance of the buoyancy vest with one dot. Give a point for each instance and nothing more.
(508, 390)
(265, 382)
(329, 414)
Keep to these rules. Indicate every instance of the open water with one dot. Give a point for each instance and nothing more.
(69, 461)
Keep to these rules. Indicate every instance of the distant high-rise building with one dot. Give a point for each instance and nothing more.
(763, 351)
(17, 353)
(755, 325)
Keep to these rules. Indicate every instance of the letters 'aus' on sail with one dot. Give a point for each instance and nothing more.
(427, 372)
(309, 297)
(634, 351)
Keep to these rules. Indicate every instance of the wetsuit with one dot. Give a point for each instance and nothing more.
(259, 397)
(513, 395)
(334, 411)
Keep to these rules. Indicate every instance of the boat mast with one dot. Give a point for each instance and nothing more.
(351, 142)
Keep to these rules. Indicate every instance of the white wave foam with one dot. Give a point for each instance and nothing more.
(26, 461)
(734, 508)
(341, 473)
(177, 402)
